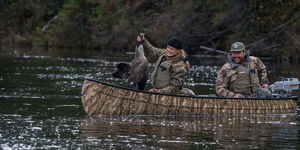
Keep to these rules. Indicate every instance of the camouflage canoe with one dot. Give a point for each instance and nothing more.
(99, 98)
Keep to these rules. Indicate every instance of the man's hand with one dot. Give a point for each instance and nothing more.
(265, 86)
(239, 96)
(153, 90)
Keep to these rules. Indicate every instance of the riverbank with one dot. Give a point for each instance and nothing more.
(269, 29)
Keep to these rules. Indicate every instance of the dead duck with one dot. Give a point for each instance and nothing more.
(137, 72)
(139, 69)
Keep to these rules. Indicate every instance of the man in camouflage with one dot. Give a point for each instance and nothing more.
(171, 68)
(243, 76)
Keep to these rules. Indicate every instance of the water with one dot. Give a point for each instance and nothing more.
(40, 108)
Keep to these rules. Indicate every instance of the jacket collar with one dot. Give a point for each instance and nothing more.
(229, 57)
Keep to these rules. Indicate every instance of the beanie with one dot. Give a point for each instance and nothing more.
(176, 42)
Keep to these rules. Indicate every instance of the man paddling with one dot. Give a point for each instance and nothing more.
(242, 76)
(171, 67)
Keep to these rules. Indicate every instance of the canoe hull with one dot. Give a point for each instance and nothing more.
(99, 98)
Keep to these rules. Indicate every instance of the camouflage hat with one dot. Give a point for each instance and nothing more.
(237, 46)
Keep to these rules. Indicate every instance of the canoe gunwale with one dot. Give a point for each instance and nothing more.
(215, 98)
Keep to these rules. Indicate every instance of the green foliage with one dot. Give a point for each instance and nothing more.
(269, 14)
(215, 21)
(113, 25)
(218, 5)
(211, 5)
(1, 32)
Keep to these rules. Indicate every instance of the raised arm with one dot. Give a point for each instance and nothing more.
(154, 51)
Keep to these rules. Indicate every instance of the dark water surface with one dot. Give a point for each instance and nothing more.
(40, 108)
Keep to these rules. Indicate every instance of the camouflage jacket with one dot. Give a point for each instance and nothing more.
(227, 75)
(169, 74)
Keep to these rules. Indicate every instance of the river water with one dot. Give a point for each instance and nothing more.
(40, 108)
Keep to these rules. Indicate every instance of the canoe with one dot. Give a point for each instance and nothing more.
(100, 98)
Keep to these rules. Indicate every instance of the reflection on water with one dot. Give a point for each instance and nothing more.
(28, 132)
(40, 108)
(146, 132)
(180, 132)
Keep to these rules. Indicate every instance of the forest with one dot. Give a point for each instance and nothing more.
(269, 28)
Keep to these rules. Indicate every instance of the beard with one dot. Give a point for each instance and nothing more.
(238, 60)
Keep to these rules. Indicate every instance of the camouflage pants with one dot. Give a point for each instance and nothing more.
(261, 93)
